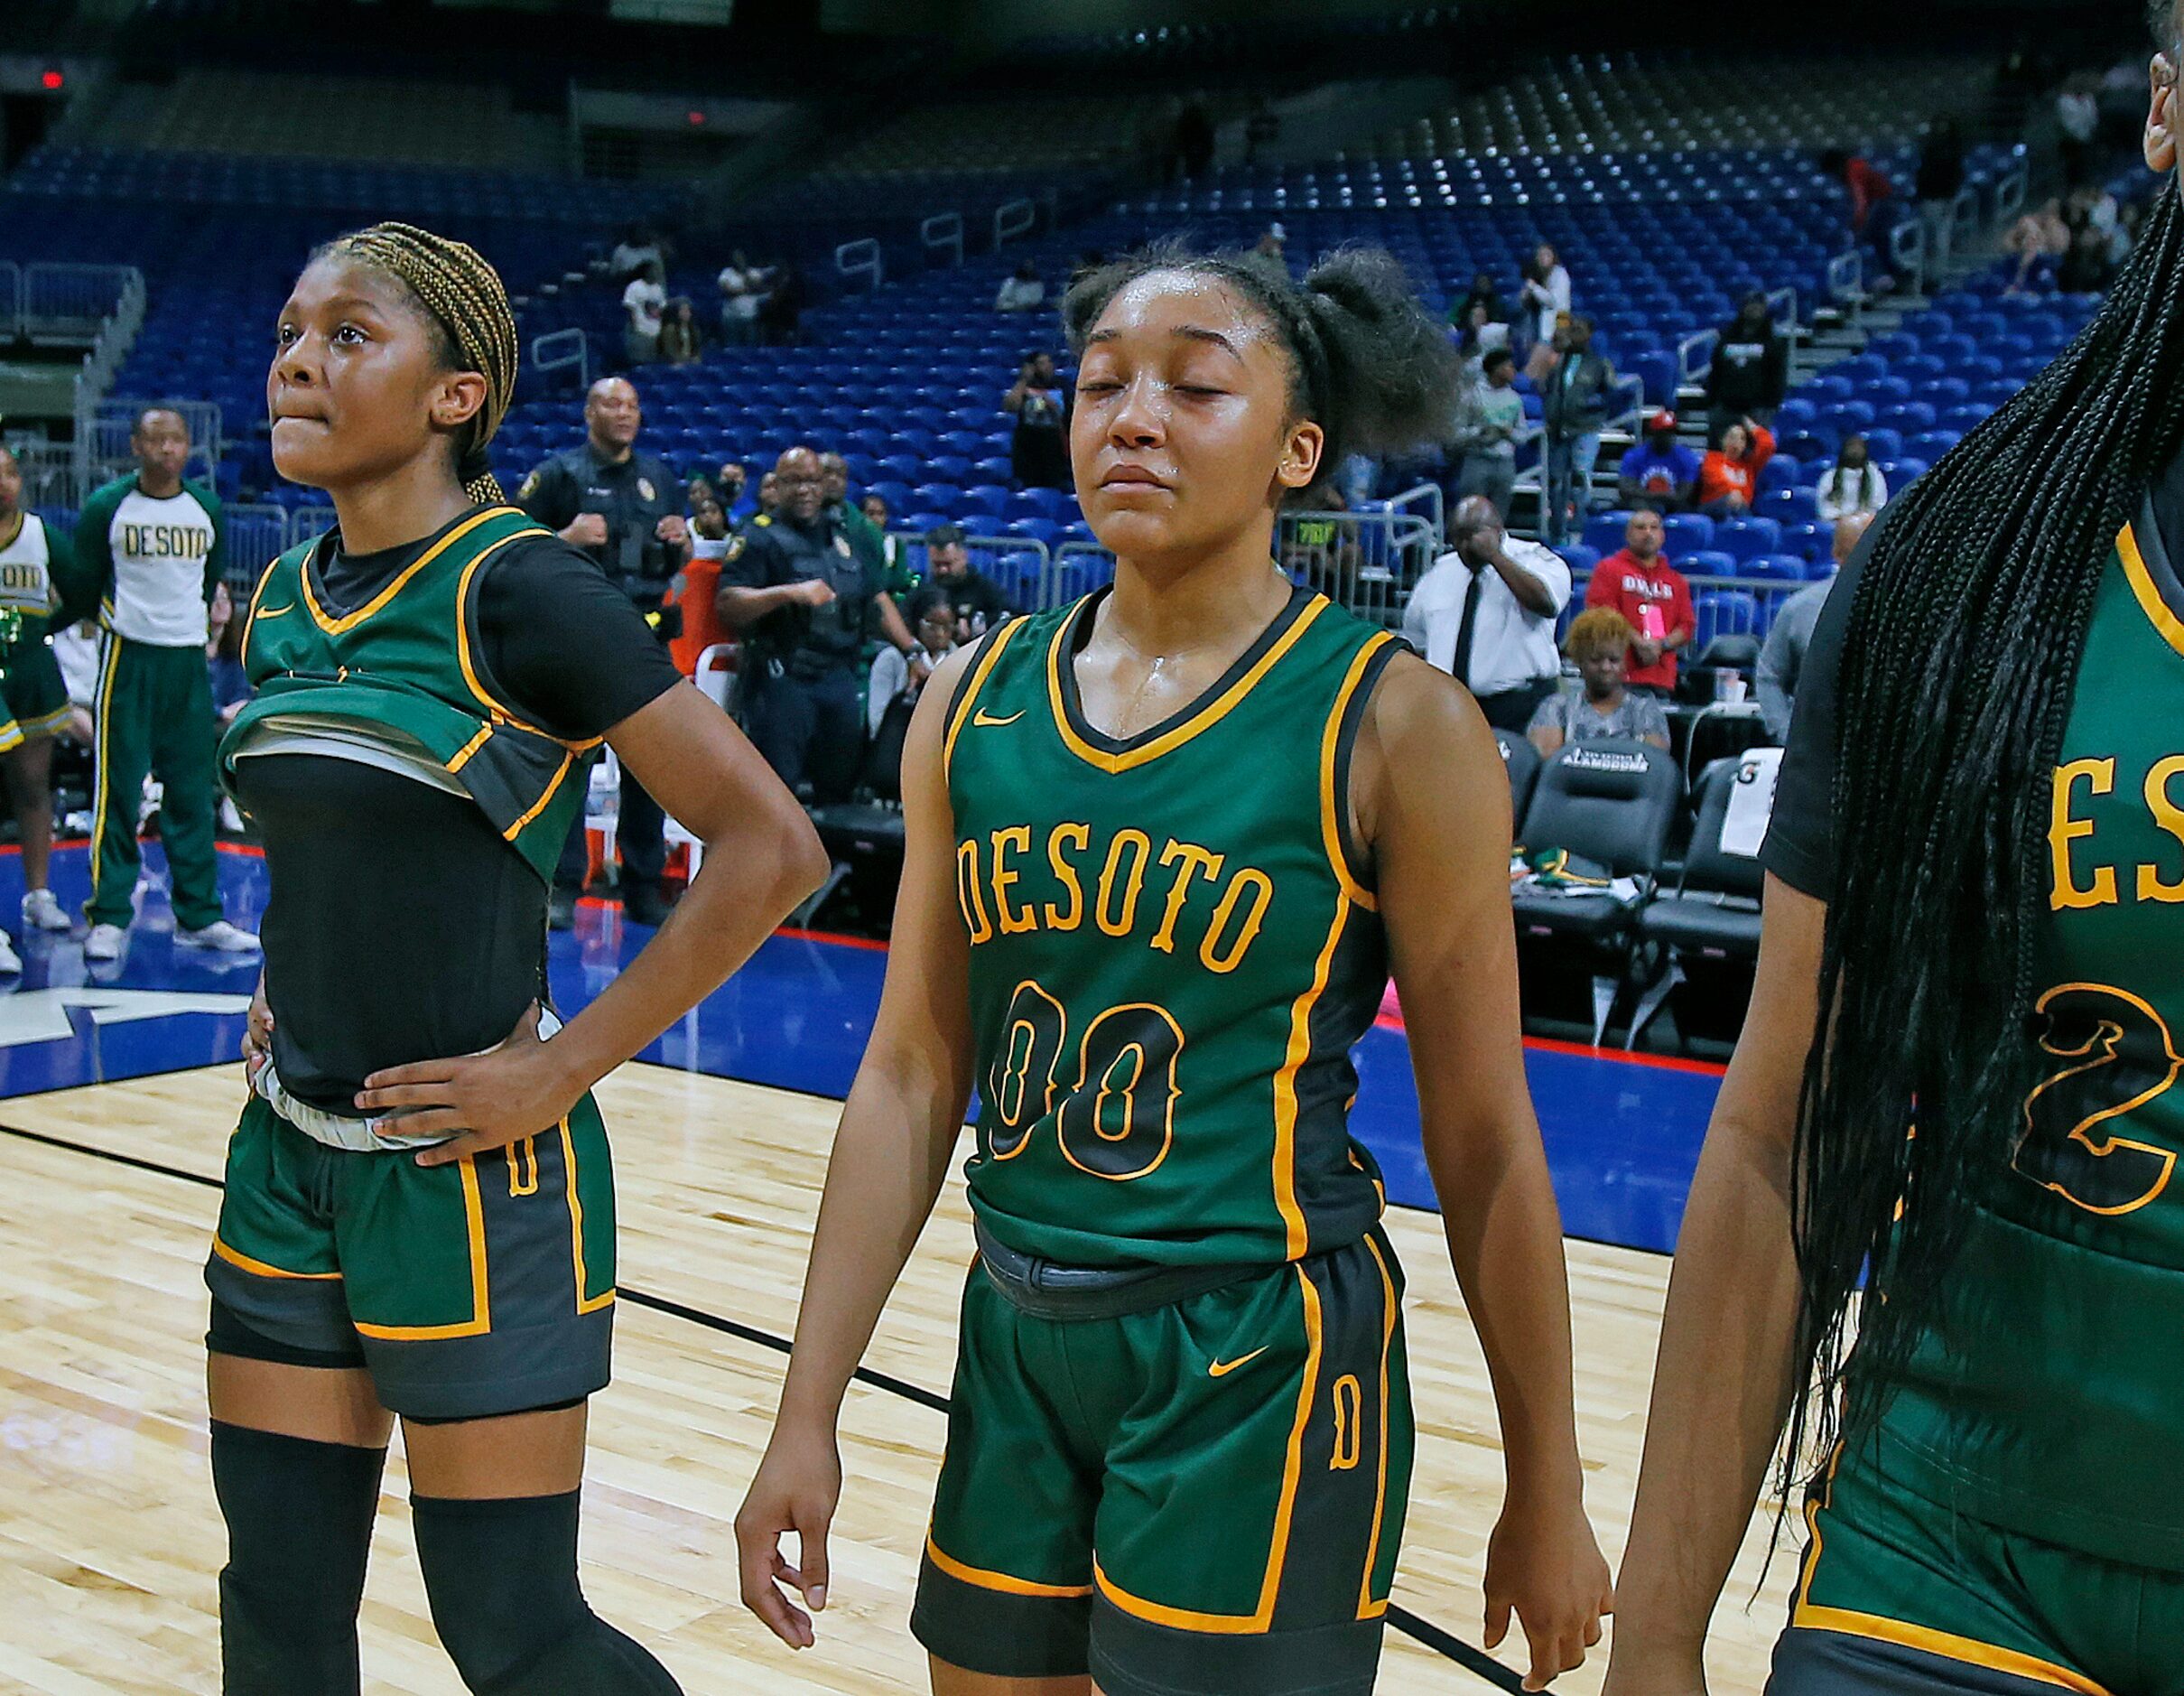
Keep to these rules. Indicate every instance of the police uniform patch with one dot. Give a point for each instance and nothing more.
(841, 546)
(735, 547)
(529, 488)
(646, 488)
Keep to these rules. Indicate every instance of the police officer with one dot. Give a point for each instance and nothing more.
(805, 597)
(625, 509)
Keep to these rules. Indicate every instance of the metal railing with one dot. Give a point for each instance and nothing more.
(943, 233)
(1693, 355)
(63, 303)
(1907, 251)
(2011, 191)
(1846, 285)
(1012, 218)
(116, 334)
(861, 258)
(561, 350)
(258, 534)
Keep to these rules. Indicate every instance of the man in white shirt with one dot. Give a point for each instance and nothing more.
(1486, 612)
(644, 305)
(151, 546)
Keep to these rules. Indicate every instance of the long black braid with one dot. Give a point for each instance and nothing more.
(1960, 659)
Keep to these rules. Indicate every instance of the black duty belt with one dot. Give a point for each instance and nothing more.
(1047, 1290)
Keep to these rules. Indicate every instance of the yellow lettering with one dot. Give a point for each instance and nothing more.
(1080, 836)
(2063, 830)
(967, 891)
(1209, 951)
(1014, 922)
(1196, 862)
(2169, 816)
(1133, 886)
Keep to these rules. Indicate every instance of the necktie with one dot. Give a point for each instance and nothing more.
(1469, 627)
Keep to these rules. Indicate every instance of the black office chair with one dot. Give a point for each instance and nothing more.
(1611, 802)
(1713, 912)
(1521, 759)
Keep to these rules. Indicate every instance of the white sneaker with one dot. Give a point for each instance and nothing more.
(10, 966)
(105, 942)
(40, 911)
(220, 935)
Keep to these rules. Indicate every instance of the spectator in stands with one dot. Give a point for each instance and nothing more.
(1494, 418)
(781, 310)
(899, 676)
(979, 603)
(1270, 244)
(697, 586)
(1938, 181)
(1485, 612)
(644, 306)
(679, 342)
(742, 286)
(1576, 411)
(1659, 474)
(623, 505)
(1481, 308)
(895, 555)
(769, 496)
(1654, 599)
(1546, 300)
(639, 246)
(1867, 183)
(1607, 705)
(1853, 484)
(729, 489)
(2038, 240)
(870, 541)
(1782, 659)
(224, 658)
(2086, 267)
(1729, 476)
(805, 602)
(1750, 374)
(1319, 550)
(2077, 122)
(1038, 451)
(1021, 290)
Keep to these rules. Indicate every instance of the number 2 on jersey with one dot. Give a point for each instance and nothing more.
(2118, 1057)
(1116, 1119)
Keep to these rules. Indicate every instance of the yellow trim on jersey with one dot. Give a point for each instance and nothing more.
(979, 674)
(1202, 717)
(1261, 1618)
(349, 621)
(481, 1309)
(2165, 623)
(1298, 1235)
(1368, 1607)
(463, 754)
(1809, 1615)
(1333, 807)
(106, 717)
(999, 1581)
(497, 711)
(235, 1257)
(539, 806)
(584, 1304)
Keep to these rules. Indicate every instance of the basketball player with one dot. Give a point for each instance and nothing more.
(1974, 914)
(405, 1233)
(1162, 846)
(152, 547)
(36, 561)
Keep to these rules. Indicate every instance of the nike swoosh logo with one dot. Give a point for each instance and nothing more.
(984, 717)
(274, 612)
(1222, 1368)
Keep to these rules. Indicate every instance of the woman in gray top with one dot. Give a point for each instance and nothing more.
(1597, 642)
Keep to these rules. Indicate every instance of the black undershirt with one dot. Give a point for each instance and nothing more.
(1800, 833)
(400, 925)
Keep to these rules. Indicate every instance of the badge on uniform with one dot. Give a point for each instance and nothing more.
(645, 488)
(530, 486)
(735, 547)
(841, 546)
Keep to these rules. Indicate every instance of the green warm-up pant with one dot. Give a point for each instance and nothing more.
(154, 717)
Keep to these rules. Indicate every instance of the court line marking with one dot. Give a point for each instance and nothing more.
(1422, 1631)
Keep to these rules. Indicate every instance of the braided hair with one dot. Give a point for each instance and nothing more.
(1367, 363)
(1960, 659)
(461, 296)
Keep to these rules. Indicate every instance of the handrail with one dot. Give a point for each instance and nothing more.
(2010, 192)
(558, 350)
(1847, 278)
(1964, 219)
(943, 233)
(1012, 218)
(1907, 249)
(1430, 495)
(1784, 301)
(1693, 354)
(861, 258)
(1634, 388)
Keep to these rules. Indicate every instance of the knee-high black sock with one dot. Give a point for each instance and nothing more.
(501, 1576)
(299, 1532)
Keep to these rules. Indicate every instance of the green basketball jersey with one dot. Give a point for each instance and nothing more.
(2049, 1398)
(396, 684)
(1175, 946)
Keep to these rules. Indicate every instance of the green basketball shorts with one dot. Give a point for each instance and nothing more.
(35, 698)
(1203, 1499)
(481, 1287)
(1903, 1597)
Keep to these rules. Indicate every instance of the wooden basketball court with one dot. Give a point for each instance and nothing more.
(110, 1540)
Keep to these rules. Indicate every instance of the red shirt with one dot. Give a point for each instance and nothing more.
(1867, 183)
(1620, 582)
(1719, 475)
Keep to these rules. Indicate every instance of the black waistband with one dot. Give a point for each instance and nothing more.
(1049, 1291)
